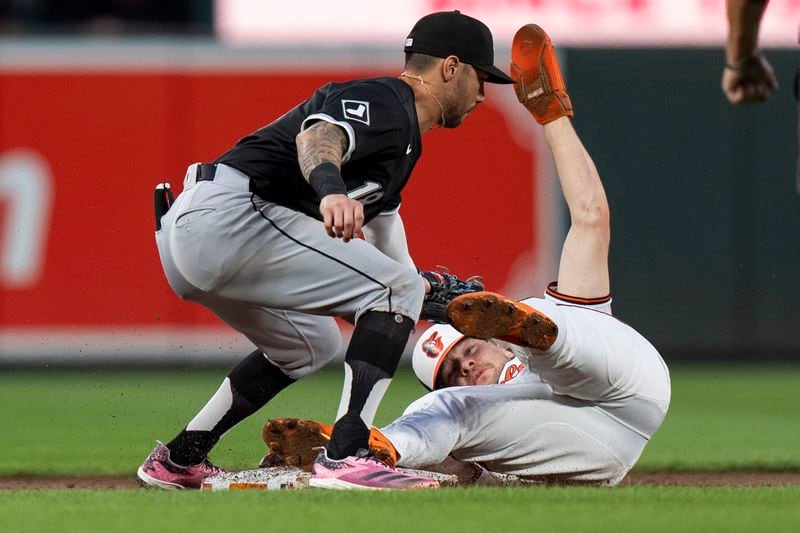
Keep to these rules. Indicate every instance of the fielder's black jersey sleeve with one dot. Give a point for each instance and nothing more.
(384, 143)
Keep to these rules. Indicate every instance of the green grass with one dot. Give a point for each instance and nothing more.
(461, 510)
(729, 418)
(105, 422)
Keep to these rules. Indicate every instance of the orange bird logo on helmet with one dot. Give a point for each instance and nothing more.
(433, 345)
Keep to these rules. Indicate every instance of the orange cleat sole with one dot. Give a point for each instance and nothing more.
(486, 315)
(292, 442)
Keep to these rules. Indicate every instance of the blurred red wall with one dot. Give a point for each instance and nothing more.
(105, 138)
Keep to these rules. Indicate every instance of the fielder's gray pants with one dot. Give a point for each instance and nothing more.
(273, 274)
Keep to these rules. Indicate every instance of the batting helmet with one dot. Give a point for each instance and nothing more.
(432, 347)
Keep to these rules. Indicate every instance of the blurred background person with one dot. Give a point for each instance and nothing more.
(187, 17)
(747, 77)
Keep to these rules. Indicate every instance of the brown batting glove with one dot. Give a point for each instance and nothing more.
(539, 84)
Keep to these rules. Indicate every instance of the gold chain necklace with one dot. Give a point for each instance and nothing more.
(425, 86)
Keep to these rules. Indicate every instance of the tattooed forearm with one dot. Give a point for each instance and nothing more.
(322, 142)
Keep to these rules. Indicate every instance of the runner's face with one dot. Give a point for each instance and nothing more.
(473, 362)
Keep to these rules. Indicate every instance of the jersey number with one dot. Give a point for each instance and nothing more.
(369, 193)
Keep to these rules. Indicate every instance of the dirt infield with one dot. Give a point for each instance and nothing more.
(689, 479)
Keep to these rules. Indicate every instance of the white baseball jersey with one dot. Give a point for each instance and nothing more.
(582, 411)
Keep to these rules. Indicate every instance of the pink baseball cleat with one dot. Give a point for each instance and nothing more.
(362, 471)
(159, 472)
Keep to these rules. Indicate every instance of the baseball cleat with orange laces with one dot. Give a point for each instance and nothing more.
(292, 442)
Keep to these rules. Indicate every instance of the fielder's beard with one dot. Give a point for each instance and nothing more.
(425, 86)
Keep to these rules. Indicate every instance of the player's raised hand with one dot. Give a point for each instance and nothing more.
(343, 217)
(750, 81)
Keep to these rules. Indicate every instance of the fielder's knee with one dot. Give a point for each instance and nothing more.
(407, 292)
(379, 339)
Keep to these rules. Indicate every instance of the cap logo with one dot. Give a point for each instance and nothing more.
(433, 345)
(409, 42)
(356, 110)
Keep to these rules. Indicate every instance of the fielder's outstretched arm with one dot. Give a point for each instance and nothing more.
(583, 269)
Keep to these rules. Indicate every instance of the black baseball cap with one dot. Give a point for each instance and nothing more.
(453, 33)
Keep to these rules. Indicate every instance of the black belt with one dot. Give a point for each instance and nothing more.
(206, 171)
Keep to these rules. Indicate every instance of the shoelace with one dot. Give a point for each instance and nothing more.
(467, 280)
(367, 455)
(214, 468)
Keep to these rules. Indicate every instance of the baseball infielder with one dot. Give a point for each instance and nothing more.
(250, 239)
(553, 389)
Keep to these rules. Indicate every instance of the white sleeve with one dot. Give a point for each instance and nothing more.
(351, 135)
(387, 233)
